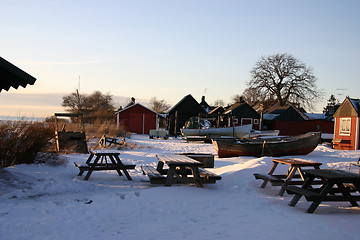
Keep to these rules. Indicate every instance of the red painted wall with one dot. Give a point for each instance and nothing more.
(138, 119)
(296, 128)
(347, 142)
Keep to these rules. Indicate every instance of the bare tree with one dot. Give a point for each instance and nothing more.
(219, 103)
(286, 78)
(75, 102)
(237, 99)
(96, 106)
(159, 106)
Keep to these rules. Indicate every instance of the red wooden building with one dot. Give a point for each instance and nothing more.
(292, 121)
(346, 129)
(138, 118)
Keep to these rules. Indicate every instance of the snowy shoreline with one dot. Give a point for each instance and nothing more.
(52, 202)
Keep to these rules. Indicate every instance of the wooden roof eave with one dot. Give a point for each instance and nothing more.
(12, 76)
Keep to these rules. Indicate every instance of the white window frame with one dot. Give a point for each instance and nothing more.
(246, 119)
(256, 121)
(345, 126)
(236, 121)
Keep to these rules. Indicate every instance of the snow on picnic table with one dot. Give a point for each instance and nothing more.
(52, 202)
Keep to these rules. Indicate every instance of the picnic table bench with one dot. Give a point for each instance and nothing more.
(355, 164)
(283, 180)
(108, 141)
(104, 160)
(182, 169)
(327, 191)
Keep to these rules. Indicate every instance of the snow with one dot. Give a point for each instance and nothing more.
(40, 201)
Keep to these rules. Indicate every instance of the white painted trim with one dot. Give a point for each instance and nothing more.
(341, 125)
(157, 122)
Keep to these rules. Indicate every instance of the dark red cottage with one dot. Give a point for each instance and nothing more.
(138, 118)
(346, 130)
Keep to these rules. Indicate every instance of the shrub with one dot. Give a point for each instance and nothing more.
(21, 141)
(98, 129)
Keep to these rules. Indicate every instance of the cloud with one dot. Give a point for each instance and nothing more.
(49, 63)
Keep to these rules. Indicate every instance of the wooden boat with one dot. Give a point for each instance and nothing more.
(271, 146)
(237, 131)
(256, 133)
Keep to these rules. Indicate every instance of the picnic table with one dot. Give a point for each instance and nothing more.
(355, 164)
(104, 160)
(328, 191)
(181, 169)
(295, 165)
(108, 141)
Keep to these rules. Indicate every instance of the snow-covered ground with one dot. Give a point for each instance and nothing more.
(52, 202)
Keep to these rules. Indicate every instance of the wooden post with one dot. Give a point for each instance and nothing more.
(176, 115)
(199, 119)
(261, 116)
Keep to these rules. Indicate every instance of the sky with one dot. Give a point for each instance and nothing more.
(169, 49)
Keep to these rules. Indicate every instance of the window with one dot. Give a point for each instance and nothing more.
(256, 121)
(236, 121)
(345, 126)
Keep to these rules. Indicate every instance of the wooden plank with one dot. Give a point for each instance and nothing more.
(154, 176)
(299, 162)
(208, 174)
(151, 172)
(105, 152)
(178, 160)
(275, 181)
(305, 192)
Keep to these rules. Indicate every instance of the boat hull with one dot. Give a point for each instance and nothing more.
(238, 131)
(297, 145)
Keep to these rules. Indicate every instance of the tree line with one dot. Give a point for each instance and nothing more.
(280, 78)
(99, 106)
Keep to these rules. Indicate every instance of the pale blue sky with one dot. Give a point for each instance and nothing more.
(169, 49)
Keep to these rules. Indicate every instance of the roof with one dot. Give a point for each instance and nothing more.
(217, 110)
(12, 76)
(182, 100)
(269, 116)
(276, 109)
(232, 107)
(242, 110)
(356, 104)
(139, 105)
(350, 107)
(316, 116)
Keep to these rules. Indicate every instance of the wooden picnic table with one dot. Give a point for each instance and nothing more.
(295, 165)
(181, 169)
(104, 160)
(328, 191)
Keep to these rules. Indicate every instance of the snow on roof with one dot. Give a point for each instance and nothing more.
(355, 103)
(270, 116)
(315, 115)
(139, 105)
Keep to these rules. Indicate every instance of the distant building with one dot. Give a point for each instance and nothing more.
(137, 118)
(241, 114)
(205, 105)
(186, 108)
(291, 120)
(346, 130)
